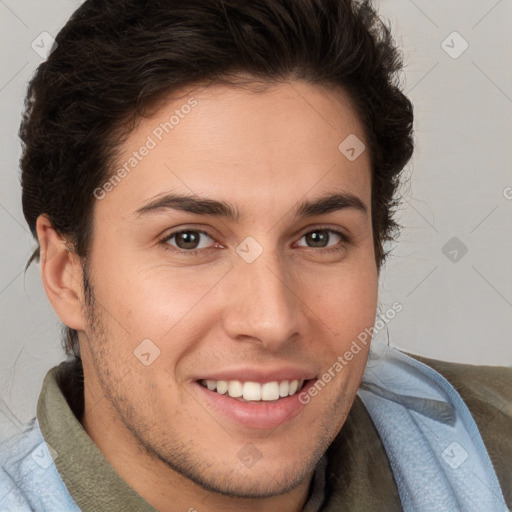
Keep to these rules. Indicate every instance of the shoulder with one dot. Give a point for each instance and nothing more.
(29, 479)
(14, 461)
(485, 389)
(487, 392)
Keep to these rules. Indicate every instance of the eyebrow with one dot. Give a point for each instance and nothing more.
(205, 206)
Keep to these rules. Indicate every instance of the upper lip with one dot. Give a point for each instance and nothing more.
(261, 375)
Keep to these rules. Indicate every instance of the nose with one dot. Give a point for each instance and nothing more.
(262, 303)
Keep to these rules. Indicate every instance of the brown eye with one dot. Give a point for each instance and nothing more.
(186, 241)
(320, 238)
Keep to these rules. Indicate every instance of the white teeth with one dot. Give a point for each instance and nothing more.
(270, 391)
(222, 386)
(235, 388)
(254, 391)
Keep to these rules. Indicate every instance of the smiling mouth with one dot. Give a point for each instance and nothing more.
(255, 392)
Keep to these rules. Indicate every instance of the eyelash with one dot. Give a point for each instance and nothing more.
(345, 239)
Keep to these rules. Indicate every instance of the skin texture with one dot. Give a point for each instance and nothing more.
(294, 305)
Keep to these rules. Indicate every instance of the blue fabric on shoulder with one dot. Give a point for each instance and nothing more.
(437, 455)
(29, 479)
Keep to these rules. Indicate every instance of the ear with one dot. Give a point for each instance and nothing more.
(61, 273)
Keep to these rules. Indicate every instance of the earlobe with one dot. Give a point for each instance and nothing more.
(61, 273)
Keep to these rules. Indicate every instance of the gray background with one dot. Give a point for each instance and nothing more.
(457, 197)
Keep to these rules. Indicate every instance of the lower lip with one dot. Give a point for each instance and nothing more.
(255, 414)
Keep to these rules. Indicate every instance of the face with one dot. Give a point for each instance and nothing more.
(253, 286)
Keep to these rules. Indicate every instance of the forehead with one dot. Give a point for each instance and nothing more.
(218, 140)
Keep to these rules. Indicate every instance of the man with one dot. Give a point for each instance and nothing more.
(211, 185)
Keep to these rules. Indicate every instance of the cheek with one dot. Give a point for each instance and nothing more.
(346, 300)
(156, 302)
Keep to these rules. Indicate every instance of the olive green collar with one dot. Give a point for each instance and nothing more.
(90, 479)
